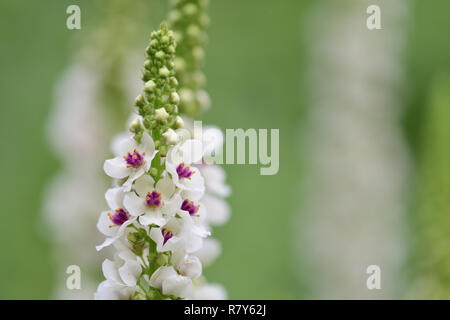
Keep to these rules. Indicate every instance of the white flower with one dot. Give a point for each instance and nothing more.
(187, 265)
(169, 282)
(112, 223)
(121, 277)
(209, 252)
(132, 159)
(181, 232)
(185, 176)
(209, 291)
(154, 204)
(214, 177)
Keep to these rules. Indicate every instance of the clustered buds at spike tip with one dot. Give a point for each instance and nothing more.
(157, 220)
(189, 21)
(158, 105)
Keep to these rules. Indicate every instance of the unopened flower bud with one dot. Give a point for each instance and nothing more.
(164, 72)
(139, 101)
(161, 114)
(159, 55)
(135, 126)
(173, 82)
(150, 86)
(174, 98)
(179, 123)
(170, 136)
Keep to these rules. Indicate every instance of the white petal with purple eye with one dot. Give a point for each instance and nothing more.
(104, 224)
(144, 184)
(134, 204)
(119, 232)
(116, 168)
(166, 186)
(156, 234)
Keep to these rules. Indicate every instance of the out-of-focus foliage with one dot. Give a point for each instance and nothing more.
(432, 226)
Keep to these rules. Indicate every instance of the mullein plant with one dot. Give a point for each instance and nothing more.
(431, 257)
(156, 220)
(353, 209)
(88, 105)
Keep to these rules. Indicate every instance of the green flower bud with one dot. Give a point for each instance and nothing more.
(174, 98)
(159, 55)
(154, 43)
(179, 123)
(163, 151)
(173, 82)
(162, 259)
(170, 137)
(164, 72)
(135, 126)
(150, 86)
(161, 114)
(139, 101)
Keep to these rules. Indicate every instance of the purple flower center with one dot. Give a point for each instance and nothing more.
(153, 199)
(134, 159)
(166, 234)
(184, 171)
(189, 207)
(119, 217)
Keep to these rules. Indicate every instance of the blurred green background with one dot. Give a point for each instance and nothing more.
(255, 62)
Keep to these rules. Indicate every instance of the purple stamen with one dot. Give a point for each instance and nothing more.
(189, 207)
(134, 159)
(153, 199)
(166, 234)
(119, 217)
(184, 171)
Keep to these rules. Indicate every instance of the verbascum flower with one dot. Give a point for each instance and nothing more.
(156, 220)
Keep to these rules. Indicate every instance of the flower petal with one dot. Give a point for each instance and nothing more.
(218, 210)
(116, 168)
(144, 184)
(134, 204)
(166, 186)
(114, 198)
